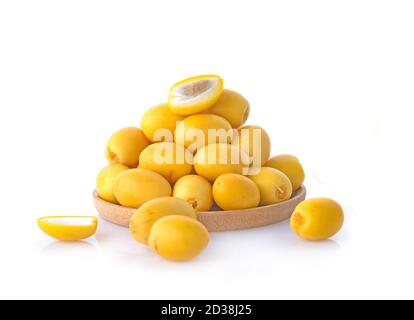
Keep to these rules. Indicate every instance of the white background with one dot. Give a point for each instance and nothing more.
(331, 81)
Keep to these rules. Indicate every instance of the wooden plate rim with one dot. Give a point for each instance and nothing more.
(300, 193)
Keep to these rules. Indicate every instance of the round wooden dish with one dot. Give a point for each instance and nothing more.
(215, 220)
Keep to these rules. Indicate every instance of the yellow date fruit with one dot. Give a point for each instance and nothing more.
(234, 192)
(134, 187)
(273, 184)
(68, 228)
(233, 107)
(290, 166)
(196, 131)
(105, 181)
(158, 123)
(216, 159)
(255, 141)
(125, 146)
(317, 219)
(144, 217)
(170, 160)
(196, 190)
(178, 238)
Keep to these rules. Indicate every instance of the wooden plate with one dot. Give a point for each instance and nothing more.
(215, 220)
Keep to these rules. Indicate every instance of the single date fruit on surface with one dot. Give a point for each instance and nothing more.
(68, 228)
(145, 216)
(317, 219)
(178, 238)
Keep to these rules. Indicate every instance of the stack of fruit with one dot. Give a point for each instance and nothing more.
(193, 152)
(186, 149)
(196, 148)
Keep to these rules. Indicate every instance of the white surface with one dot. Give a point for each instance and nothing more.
(331, 81)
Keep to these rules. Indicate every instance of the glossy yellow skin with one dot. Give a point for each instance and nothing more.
(105, 181)
(196, 190)
(125, 146)
(273, 184)
(193, 87)
(233, 107)
(178, 238)
(234, 192)
(290, 166)
(144, 217)
(170, 160)
(193, 131)
(246, 142)
(221, 156)
(160, 117)
(317, 219)
(68, 228)
(134, 187)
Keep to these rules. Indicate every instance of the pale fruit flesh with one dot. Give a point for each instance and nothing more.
(178, 238)
(195, 94)
(144, 217)
(68, 228)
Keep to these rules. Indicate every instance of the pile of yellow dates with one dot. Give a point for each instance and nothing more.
(181, 160)
(195, 151)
